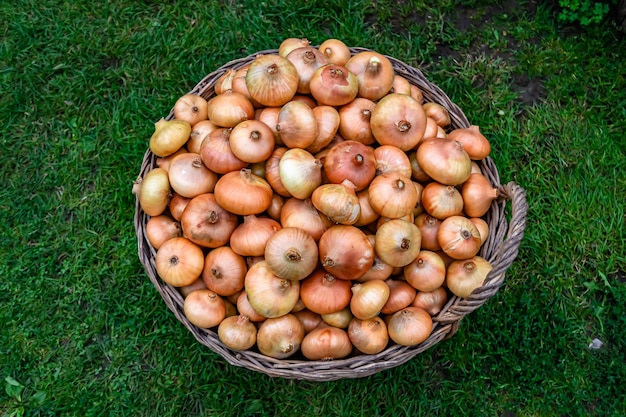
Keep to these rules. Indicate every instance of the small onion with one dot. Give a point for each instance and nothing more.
(459, 237)
(272, 80)
(374, 73)
(392, 195)
(272, 171)
(269, 295)
(334, 85)
(291, 253)
(224, 271)
(427, 272)
(442, 201)
(251, 236)
(367, 214)
(306, 59)
(206, 223)
(169, 136)
(400, 85)
(237, 332)
(337, 201)
(189, 177)
(242, 192)
(309, 319)
(328, 120)
(198, 284)
(300, 173)
(153, 191)
(177, 205)
(191, 108)
(245, 309)
(345, 252)
(475, 143)
(401, 295)
(445, 161)
(354, 120)
(280, 337)
(368, 336)
(230, 108)
(398, 120)
(289, 44)
(410, 326)
(326, 342)
(438, 113)
(160, 229)
(335, 51)
(216, 153)
(251, 141)
(323, 294)
(179, 262)
(302, 214)
(392, 159)
(478, 194)
(431, 301)
(483, 228)
(398, 242)
(464, 276)
(296, 125)
(204, 308)
(429, 227)
(368, 298)
(350, 160)
(339, 318)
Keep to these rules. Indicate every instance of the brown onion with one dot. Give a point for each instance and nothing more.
(337, 201)
(345, 252)
(206, 223)
(269, 116)
(465, 275)
(269, 295)
(398, 120)
(296, 125)
(191, 108)
(229, 108)
(242, 192)
(397, 242)
(339, 318)
(224, 271)
(350, 160)
(335, 51)
(328, 120)
(442, 201)
(272, 80)
(179, 262)
(245, 309)
(198, 284)
(280, 337)
(431, 301)
(251, 141)
(444, 161)
(392, 159)
(354, 120)
(291, 253)
(199, 131)
(300, 172)
(400, 85)
(272, 172)
(216, 153)
(326, 342)
(429, 227)
(237, 332)
(204, 308)
(374, 72)
(289, 44)
(276, 206)
(169, 136)
(392, 195)
(306, 59)
(459, 237)
(322, 293)
(483, 228)
(368, 298)
(417, 173)
(160, 229)
(334, 85)
(410, 326)
(478, 194)
(251, 236)
(427, 272)
(401, 295)
(475, 143)
(309, 319)
(177, 205)
(153, 191)
(368, 336)
(302, 214)
(189, 177)
(367, 213)
(438, 113)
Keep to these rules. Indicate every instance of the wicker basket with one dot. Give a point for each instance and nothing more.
(500, 249)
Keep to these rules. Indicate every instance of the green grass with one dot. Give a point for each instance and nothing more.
(85, 333)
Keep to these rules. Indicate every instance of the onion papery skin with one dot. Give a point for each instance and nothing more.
(466, 275)
(269, 295)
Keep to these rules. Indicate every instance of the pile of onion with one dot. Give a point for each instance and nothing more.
(316, 205)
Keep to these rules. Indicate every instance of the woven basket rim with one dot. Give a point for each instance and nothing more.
(500, 250)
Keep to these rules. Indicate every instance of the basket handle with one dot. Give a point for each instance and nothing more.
(505, 255)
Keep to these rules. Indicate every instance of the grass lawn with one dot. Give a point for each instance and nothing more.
(85, 333)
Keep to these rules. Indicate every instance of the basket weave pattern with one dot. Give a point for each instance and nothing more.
(500, 250)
